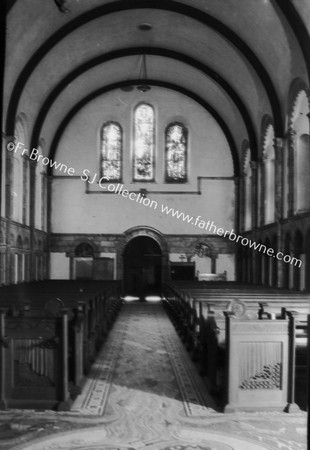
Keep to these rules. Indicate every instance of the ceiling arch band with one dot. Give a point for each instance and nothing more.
(168, 5)
(42, 114)
(79, 105)
(298, 27)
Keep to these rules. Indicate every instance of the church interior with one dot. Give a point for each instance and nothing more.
(155, 224)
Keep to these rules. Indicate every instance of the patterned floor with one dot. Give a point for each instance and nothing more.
(144, 393)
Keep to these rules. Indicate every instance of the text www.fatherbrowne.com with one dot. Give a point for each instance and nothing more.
(211, 227)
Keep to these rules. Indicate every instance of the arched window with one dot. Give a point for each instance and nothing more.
(176, 152)
(143, 145)
(111, 151)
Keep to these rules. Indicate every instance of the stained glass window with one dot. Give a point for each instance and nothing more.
(176, 152)
(144, 143)
(111, 151)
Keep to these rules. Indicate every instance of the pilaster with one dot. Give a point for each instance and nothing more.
(263, 162)
(291, 136)
(254, 193)
(279, 152)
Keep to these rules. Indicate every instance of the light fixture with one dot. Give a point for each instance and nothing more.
(145, 26)
(143, 87)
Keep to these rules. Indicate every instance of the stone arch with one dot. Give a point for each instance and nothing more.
(299, 140)
(204, 249)
(20, 173)
(81, 242)
(147, 231)
(82, 259)
(297, 87)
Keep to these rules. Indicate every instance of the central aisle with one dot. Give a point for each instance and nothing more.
(143, 371)
(143, 393)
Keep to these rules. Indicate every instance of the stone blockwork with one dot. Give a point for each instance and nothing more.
(109, 243)
(187, 245)
(23, 253)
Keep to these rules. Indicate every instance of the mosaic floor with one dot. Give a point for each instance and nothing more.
(143, 392)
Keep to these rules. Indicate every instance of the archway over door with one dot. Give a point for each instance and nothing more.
(142, 262)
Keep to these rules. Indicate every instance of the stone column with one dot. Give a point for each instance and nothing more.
(291, 136)
(279, 151)
(252, 254)
(262, 181)
(242, 200)
(10, 142)
(238, 260)
(48, 212)
(254, 192)
(32, 206)
(8, 207)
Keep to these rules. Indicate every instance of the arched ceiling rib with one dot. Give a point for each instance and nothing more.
(62, 126)
(293, 11)
(192, 80)
(167, 5)
(242, 54)
(43, 112)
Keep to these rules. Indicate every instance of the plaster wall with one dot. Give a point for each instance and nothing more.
(84, 207)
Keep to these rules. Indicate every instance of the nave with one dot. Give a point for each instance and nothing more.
(143, 391)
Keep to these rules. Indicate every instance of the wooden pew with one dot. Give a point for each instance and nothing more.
(258, 362)
(206, 324)
(90, 312)
(37, 350)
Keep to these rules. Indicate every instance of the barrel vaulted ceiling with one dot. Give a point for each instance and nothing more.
(236, 57)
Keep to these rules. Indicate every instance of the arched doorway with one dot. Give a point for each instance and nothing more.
(142, 267)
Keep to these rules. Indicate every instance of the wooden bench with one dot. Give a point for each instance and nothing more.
(203, 323)
(34, 362)
(90, 314)
(258, 365)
